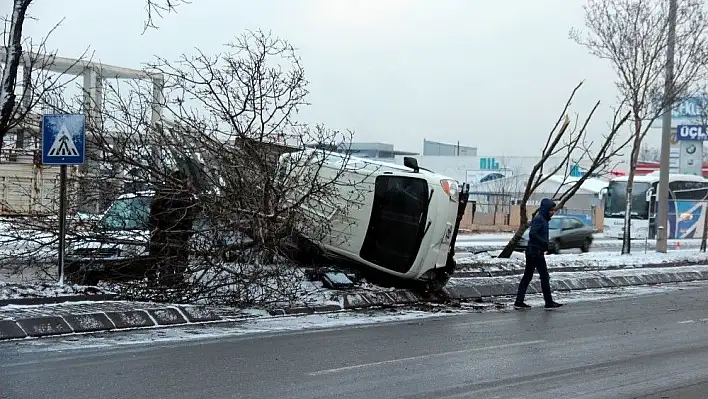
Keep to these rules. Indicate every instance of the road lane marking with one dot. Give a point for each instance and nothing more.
(428, 356)
(693, 321)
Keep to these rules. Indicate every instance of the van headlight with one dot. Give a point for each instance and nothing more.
(451, 188)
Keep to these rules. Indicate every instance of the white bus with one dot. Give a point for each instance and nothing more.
(687, 206)
(401, 221)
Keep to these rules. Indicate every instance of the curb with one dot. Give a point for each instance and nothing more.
(181, 315)
(566, 269)
(481, 247)
(36, 327)
(466, 290)
(459, 289)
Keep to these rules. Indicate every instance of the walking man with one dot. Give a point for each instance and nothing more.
(535, 260)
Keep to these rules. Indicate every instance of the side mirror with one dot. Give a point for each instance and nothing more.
(411, 163)
(649, 194)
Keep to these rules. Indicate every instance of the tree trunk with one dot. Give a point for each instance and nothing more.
(705, 227)
(634, 157)
(13, 54)
(523, 224)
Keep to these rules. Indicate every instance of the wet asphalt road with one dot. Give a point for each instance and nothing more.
(622, 348)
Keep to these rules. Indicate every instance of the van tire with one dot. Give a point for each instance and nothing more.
(436, 284)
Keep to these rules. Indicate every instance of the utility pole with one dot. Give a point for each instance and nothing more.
(663, 189)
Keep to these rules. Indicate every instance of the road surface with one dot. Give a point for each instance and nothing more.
(621, 348)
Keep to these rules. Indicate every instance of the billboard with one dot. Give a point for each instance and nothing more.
(483, 175)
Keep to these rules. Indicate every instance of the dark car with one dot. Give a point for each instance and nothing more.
(564, 232)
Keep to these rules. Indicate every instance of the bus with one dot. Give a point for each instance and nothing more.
(688, 195)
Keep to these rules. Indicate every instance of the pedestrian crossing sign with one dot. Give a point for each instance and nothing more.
(63, 139)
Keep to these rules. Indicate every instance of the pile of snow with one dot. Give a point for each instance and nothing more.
(586, 260)
(45, 290)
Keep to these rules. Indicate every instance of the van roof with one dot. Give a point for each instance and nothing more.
(354, 159)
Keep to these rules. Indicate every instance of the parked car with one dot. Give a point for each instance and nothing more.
(564, 232)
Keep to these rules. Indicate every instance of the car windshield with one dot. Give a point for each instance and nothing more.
(554, 224)
(128, 214)
(616, 200)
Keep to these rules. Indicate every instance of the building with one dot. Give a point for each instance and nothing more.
(451, 150)
(644, 168)
(474, 169)
(496, 201)
(376, 151)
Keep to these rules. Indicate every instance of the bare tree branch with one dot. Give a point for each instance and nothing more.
(155, 9)
(574, 145)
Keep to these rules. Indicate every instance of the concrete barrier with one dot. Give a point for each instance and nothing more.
(459, 289)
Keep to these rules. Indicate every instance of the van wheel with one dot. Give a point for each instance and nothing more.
(437, 283)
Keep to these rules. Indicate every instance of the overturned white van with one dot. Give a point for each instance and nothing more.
(398, 221)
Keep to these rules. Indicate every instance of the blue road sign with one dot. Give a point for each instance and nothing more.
(691, 132)
(63, 139)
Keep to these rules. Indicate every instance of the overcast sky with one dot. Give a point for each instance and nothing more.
(491, 74)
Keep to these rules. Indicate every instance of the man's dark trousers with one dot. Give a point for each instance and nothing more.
(535, 261)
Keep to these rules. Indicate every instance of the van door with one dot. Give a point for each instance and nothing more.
(398, 222)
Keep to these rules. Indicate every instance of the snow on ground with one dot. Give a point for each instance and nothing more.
(45, 290)
(484, 237)
(588, 259)
(308, 323)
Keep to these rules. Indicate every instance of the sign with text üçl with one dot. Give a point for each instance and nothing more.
(691, 133)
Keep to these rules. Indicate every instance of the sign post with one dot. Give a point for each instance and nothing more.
(691, 138)
(63, 144)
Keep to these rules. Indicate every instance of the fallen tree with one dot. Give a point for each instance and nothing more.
(575, 147)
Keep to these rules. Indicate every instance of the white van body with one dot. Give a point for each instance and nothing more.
(388, 217)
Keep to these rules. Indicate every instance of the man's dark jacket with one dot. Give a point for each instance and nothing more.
(538, 231)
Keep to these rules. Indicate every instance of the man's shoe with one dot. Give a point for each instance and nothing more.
(521, 305)
(553, 305)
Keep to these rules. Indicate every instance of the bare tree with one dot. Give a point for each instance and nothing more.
(502, 191)
(649, 153)
(11, 61)
(572, 144)
(632, 36)
(18, 52)
(239, 216)
(156, 8)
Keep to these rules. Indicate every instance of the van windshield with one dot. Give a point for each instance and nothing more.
(398, 222)
(128, 214)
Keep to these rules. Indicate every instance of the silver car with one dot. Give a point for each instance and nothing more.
(564, 232)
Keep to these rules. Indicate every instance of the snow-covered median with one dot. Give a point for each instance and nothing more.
(589, 260)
